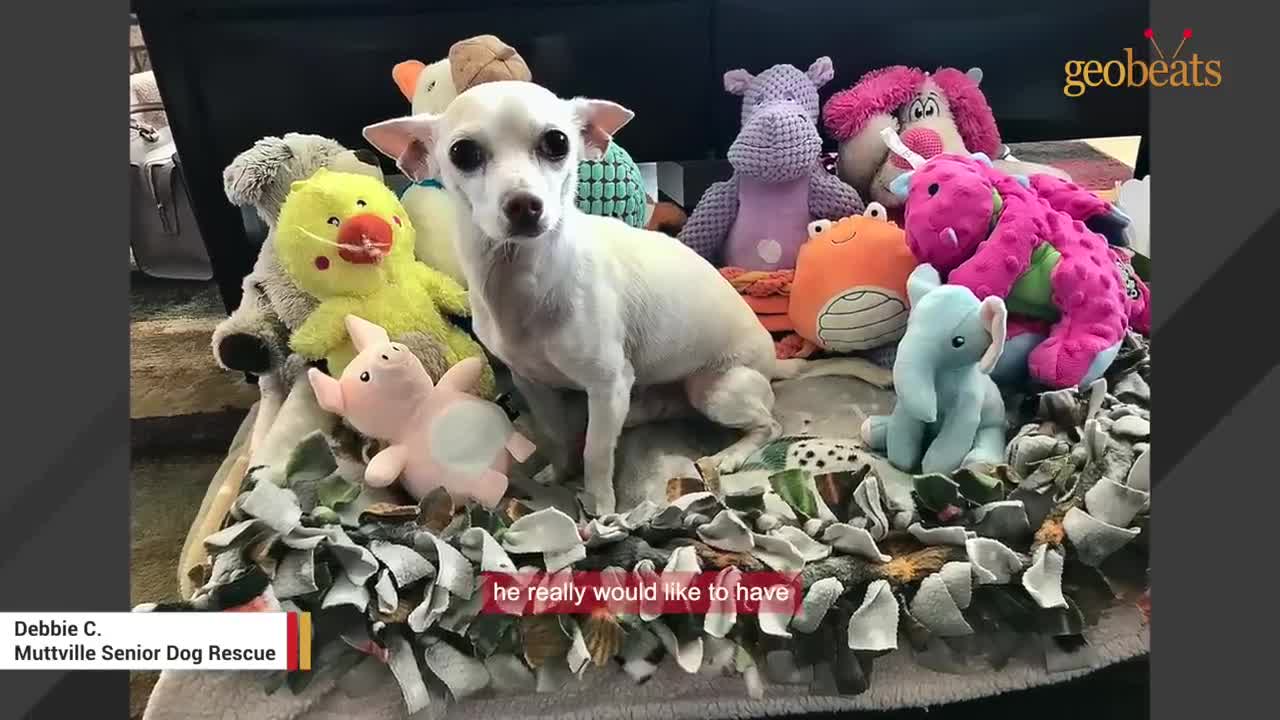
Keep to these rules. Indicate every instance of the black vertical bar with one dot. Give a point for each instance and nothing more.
(231, 255)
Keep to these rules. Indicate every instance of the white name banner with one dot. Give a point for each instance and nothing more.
(155, 641)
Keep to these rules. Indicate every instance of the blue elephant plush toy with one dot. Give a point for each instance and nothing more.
(949, 413)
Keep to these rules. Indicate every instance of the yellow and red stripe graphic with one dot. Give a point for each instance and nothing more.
(298, 649)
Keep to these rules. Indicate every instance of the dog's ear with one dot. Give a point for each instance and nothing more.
(599, 120)
(409, 140)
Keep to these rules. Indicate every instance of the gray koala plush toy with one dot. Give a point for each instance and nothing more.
(255, 338)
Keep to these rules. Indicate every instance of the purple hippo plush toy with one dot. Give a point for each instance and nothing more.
(759, 218)
(1071, 295)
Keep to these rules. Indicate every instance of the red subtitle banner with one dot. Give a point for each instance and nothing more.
(667, 593)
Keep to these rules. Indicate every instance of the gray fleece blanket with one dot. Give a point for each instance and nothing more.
(649, 455)
(370, 693)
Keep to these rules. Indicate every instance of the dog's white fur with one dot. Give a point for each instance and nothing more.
(590, 303)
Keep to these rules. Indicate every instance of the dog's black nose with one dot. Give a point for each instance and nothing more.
(524, 213)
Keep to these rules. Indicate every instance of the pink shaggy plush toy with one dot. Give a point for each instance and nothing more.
(1024, 241)
(942, 111)
(440, 435)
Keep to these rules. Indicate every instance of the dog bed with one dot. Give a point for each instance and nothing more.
(369, 692)
(1072, 454)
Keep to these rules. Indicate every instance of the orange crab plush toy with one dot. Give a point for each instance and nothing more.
(849, 292)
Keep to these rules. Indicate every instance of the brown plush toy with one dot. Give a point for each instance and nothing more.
(470, 62)
(483, 59)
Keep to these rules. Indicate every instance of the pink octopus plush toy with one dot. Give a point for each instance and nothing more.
(439, 435)
(1070, 294)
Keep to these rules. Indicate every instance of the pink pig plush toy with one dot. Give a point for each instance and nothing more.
(440, 435)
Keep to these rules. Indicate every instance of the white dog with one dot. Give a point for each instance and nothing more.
(574, 301)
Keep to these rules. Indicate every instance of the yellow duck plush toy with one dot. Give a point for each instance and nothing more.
(347, 240)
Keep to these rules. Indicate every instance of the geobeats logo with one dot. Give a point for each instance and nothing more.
(1135, 72)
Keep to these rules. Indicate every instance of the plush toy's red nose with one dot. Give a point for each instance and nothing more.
(364, 239)
(924, 141)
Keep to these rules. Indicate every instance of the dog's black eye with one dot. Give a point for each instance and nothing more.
(553, 145)
(466, 155)
(334, 221)
(361, 203)
(957, 342)
(933, 189)
(364, 377)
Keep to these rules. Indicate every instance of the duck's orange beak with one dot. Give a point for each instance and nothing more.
(364, 239)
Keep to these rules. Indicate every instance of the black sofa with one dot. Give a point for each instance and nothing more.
(232, 71)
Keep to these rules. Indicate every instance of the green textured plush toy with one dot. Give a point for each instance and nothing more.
(612, 187)
(346, 240)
